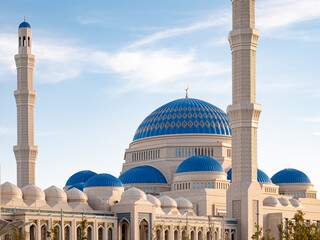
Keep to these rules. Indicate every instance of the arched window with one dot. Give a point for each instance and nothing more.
(24, 41)
(176, 235)
(124, 230)
(19, 41)
(215, 236)
(158, 234)
(67, 233)
(79, 233)
(144, 230)
(232, 236)
(100, 233)
(89, 233)
(166, 235)
(199, 235)
(110, 233)
(56, 232)
(43, 232)
(32, 232)
(28, 41)
(208, 236)
(192, 235)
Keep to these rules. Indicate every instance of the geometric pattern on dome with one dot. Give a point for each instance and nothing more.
(80, 177)
(142, 174)
(24, 25)
(262, 177)
(290, 175)
(199, 163)
(184, 116)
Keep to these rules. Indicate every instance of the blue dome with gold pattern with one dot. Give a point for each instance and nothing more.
(184, 116)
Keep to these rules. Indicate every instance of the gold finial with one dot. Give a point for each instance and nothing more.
(24, 18)
(187, 91)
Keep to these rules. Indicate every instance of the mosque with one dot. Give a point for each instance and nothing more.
(190, 171)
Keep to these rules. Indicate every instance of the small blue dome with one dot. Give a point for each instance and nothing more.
(78, 186)
(200, 163)
(142, 174)
(24, 25)
(103, 180)
(184, 116)
(80, 177)
(262, 177)
(290, 175)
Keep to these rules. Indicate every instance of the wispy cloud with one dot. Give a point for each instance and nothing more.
(273, 14)
(223, 19)
(143, 70)
(316, 133)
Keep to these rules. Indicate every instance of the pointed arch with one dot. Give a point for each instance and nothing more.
(124, 230)
(33, 231)
(144, 229)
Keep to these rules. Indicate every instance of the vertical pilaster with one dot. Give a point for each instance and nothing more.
(244, 194)
(25, 150)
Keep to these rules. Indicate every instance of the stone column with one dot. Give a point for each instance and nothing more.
(244, 194)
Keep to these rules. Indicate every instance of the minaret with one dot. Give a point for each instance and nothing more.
(244, 196)
(25, 151)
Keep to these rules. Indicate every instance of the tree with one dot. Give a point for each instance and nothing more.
(259, 235)
(299, 229)
(83, 234)
(53, 233)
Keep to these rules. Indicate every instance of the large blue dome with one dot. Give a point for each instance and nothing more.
(103, 180)
(80, 177)
(142, 174)
(199, 163)
(184, 116)
(261, 176)
(24, 25)
(290, 175)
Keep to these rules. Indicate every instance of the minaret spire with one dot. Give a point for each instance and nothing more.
(25, 150)
(244, 194)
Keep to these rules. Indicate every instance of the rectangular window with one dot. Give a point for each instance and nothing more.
(176, 152)
(205, 185)
(201, 185)
(197, 185)
(194, 185)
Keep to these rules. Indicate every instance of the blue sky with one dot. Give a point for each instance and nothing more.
(102, 67)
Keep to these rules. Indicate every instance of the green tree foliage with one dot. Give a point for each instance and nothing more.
(299, 229)
(84, 224)
(258, 235)
(53, 233)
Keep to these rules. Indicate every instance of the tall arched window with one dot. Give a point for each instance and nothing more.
(192, 235)
(67, 233)
(79, 233)
(32, 232)
(176, 235)
(166, 235)
(110, 233)
(124, 230)
(89, 233)
(144, 230)
(199, 235)
(43, 232)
